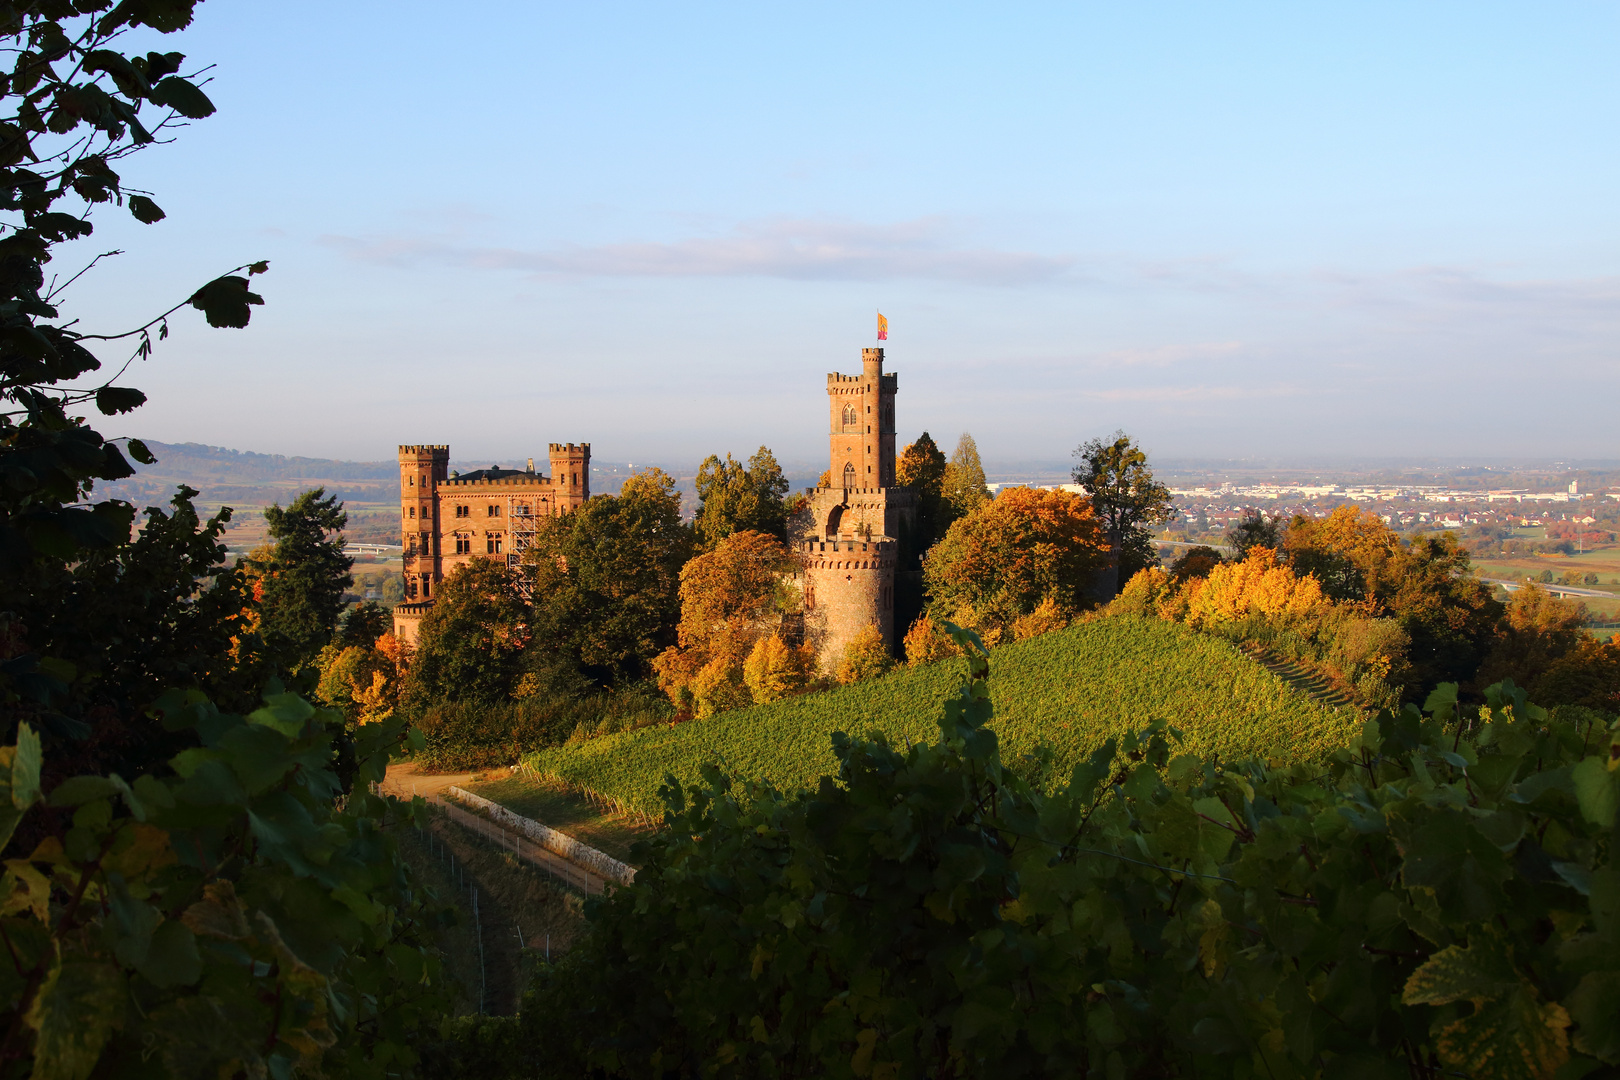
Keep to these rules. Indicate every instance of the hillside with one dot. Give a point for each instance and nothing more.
(1072, 689)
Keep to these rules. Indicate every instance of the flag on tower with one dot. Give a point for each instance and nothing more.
(883, 327)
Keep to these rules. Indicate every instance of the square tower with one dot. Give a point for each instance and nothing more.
(861, 425)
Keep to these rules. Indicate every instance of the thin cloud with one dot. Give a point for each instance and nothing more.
(800, 250)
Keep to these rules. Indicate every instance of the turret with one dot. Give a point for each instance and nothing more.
(421, 469)
(571, 472)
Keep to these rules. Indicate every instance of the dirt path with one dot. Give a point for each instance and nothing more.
(403, 781)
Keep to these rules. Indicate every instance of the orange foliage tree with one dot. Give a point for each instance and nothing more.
(1000, 562)
(731, 597)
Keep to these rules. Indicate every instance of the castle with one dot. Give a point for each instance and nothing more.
(850, 552)
(858, 519)
(491, 513)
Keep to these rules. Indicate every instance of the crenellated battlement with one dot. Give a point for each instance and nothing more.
(424, 450)
(570, 448)
(521, 480)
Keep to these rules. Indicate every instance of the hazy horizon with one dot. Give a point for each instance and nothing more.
(1337, 232)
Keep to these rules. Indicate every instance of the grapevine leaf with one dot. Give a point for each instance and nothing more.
(183, 97)
(1482, 972)
(225, 301)
(145, 210)
(171, 959)
(1450, 856)
(73, 1014)
(1520, 1037)
(1598, 791)
(25, 768)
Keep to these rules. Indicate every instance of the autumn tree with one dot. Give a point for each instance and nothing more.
(606, 579)
(1538, 630)
(730, 598)
(470, 643)
(363, 624)
(737, 497)
(1127, 500)
(865, 656)
(1427, 584)
(775, 670)
(1000, 562)
(921, 469)
(302, 581)
(962, 484)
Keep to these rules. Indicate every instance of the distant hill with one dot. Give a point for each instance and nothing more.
(243, 478)
(1070, 690)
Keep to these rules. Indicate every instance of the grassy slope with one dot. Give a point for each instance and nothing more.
(1071, 689)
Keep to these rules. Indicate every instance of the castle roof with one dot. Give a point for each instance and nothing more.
(494, 472)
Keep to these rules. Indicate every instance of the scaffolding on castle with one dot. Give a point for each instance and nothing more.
(521, 527)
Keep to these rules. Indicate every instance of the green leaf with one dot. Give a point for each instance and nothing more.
(1598, 791)
(145, 210)
(82, 789)
(285, 713)
(25, 768)
(112, 400)
(171, 959)
(183, 97)
(74, 1013)
(1450, 856)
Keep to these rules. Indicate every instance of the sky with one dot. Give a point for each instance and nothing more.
(1309, 230)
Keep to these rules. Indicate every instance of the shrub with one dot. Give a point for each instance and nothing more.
(472, 735)
(865, 657)
(1046, 618)
(719, 686)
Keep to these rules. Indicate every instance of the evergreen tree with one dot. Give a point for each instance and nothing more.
(470, 643)
(301, 583)
(736, 497)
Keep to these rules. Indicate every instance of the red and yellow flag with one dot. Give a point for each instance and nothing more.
(883, 327)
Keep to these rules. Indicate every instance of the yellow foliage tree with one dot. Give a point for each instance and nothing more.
(927, 642)
(1256, 586)
(1046, 618)
(865, 657)
(719, 687)
(775, 669)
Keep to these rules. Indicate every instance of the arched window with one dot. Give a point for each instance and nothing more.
(851, 417)
(849, 476)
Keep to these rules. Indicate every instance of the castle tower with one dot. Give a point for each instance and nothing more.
(421, 470)
(851, 550)
(571, 474)
(861, 429)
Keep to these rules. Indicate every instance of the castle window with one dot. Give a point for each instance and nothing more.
(463, 546)
(410, 481)
(410, 511)
(410, 588)
(494, 511)
(849, 476)
(576, 478)
(425, 586)
(463, 511)
(493, 545)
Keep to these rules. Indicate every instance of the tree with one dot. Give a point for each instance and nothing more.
(921, 469)
(363, 624)
(733, 497)
(1426, 584)
(1538, 630)
(1126, 499)
(1000, 562)
(730, 598)
(865, 656)
(1196, 562)
(1255, 529)
(962, 484)
(72, 106)
(470, 644)
(301, 584)
(775, 669)
(606, 579)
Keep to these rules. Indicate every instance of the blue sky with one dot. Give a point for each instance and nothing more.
(1245, 229)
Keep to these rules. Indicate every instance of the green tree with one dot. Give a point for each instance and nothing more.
(302, 581)
(921, 469)
(1127, 500)
(1255, 529)
(470, 644)
(363, 624)
(734, 497)
(606, 579)
(72, 106)
(962, 484)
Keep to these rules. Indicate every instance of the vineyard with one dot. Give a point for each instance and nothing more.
(1070, 690)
